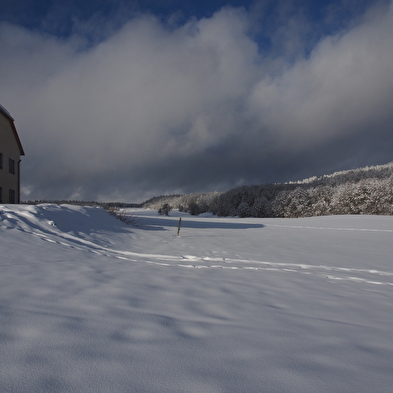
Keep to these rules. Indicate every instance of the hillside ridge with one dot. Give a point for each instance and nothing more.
(367, 190)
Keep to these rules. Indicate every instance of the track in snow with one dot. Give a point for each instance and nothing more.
(50, 234)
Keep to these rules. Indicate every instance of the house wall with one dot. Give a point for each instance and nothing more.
(9, 149)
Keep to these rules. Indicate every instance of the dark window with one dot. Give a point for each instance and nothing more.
(1, 160)
(11, 197)
(11, 166)
(1, 195)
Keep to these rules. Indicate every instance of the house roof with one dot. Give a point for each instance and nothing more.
(10, 118)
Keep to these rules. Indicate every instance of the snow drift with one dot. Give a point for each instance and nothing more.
(89, 304)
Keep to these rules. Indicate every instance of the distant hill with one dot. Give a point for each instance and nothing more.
(366, 190)
(105, 205)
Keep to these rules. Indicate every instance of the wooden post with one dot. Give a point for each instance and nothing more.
(178, 227)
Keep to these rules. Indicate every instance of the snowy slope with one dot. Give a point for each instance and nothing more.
(89, 304)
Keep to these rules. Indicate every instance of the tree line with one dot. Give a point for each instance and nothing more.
(366, 190)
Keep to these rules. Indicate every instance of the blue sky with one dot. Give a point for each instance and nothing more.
(124, 100)
(59, 17)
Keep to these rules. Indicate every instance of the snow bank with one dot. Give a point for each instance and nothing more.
(89, 304)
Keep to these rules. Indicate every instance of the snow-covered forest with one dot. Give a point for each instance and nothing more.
(366, 190)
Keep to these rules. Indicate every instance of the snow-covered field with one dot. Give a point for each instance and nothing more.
(89, 304)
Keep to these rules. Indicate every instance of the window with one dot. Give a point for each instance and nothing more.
(1, 160)
(1, 195)
(11, 196)
(11, 164)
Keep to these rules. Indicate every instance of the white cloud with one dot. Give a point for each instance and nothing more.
(150, 97)
(344, 86)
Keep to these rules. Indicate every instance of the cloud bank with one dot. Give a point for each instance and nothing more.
(157, 108)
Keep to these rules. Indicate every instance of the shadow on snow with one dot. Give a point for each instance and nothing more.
(160, 223)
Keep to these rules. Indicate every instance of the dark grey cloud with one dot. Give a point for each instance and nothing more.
(155, 109)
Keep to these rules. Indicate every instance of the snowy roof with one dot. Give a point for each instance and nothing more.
(2, 109)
